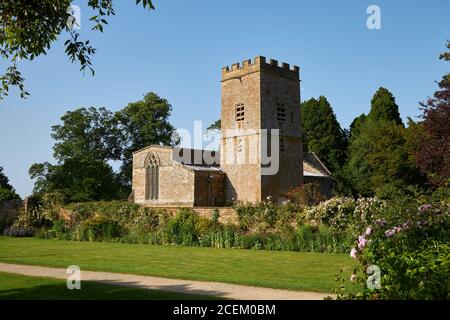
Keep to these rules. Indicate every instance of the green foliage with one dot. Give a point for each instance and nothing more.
(344, 214)
(77, 179)
(307, 194)
(44, 215)
(88, 139)
(356, 125)
(97, 228)
(410, 246)
(381, 150)
(384, 108)
(216, 125)
(87, 133)
(433, 151)
(28, 29)
(7, 192)
(322, 133)
(143, 123)
(185, 228)
(267, 226)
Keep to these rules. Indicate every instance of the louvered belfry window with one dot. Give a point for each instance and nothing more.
(240, 112)
(281, 112)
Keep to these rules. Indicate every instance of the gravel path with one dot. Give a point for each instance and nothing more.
(224, 290)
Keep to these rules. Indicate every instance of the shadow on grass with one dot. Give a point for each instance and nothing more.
(104, 290)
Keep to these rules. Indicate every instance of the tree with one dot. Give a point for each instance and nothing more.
(77, 179)
(85, 141)
(7, 192)
(355, 126)
(322, 133)
(433, 153)
(384, 107)
(216, 125)
(90, 138)
(29, 27)
(143, 123)
(381, 149)
(87, 133)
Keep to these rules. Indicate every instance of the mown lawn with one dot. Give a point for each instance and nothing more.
(13, 286)
(273, 269)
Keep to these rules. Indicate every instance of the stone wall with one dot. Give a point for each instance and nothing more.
(10, 209)
(241, 85)
(176, 183)
(209, 188)
(263, 89)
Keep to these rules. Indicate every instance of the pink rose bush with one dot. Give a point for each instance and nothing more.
(409, 242)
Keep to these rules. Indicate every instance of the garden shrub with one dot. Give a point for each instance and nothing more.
(98, 228)
(18, 232)
(410, 245)
(260, 226)
(185, 228)
(307, 195)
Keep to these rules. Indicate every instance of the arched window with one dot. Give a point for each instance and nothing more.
(152, 167)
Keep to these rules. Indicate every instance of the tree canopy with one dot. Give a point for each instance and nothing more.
(28, 28)
(433, 152)
(384, 107)
(322, 133)
(143, 123)
(380, 148)
(90, 138)
(7, 192)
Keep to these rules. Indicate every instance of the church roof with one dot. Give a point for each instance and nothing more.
(203, 168)
(195, 157)
(313, 167)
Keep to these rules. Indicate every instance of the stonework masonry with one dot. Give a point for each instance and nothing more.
(257, 96)
(270, 95)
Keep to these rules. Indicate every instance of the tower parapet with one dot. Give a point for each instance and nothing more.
(259, 63)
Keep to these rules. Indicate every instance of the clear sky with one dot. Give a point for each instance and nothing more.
(178, 50)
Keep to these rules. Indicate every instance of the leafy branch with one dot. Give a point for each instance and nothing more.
(29, 27)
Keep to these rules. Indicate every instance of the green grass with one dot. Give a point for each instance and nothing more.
(13, 286)
(273, 269)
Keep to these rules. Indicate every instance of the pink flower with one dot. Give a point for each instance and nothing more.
(425, 207)
(381, 222)
(407, 225)
(389, 233)
(353, 253)
(353, 277)
(369, 231)
(362, 242)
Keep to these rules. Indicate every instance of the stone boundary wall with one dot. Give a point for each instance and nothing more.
(9, 210)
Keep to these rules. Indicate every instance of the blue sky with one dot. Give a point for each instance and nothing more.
(178, 50)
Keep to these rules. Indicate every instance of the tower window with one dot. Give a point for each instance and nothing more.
(240, 112)
(281, 112)
(282, 145)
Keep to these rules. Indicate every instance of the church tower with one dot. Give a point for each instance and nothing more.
(259, 96)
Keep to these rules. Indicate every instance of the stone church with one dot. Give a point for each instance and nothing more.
(260, 150)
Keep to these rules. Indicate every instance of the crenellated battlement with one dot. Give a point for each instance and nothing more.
(259, 63)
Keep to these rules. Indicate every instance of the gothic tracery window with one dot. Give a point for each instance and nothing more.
(152, 167)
